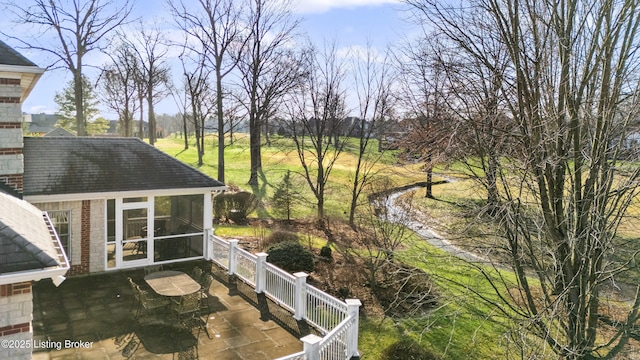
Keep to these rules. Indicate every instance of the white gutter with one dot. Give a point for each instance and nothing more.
(120, 194)
(55, 274)
(21, 69)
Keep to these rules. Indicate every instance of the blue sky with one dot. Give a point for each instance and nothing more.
(352, 23)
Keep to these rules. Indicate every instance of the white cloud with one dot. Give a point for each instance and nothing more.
(320, 6)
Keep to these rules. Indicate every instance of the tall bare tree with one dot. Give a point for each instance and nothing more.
(373, 89)
(78, 28)
(218, 28)
(119, 85)
(427, 119)
(266, 67)
(571, 90)
(149, 43)
(199, 97)
(315, 114)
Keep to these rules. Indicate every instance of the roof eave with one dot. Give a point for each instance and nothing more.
(35, 71)
(34, 275)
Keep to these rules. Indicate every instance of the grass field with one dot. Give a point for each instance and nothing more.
(282, 156)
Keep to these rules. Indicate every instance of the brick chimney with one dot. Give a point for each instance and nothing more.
(18, 76)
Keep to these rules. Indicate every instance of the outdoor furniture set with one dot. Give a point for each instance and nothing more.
(186, 296)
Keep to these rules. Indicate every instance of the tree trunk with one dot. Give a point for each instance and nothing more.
(429, 185)
(254, 150)
(186, 134)
(79, 101)
(220, 126)
(152, 116)
(141, 124)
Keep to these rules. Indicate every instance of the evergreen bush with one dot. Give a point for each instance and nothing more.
(291, 256)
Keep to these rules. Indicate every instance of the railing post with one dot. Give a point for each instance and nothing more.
(353, 309)
(261, 273)
(208, 236)
(233, 247)
(311, 347)
(300, 300)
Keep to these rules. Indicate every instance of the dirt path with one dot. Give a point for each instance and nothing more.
(398, 212)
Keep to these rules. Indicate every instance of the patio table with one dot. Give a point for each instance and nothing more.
(172, 283)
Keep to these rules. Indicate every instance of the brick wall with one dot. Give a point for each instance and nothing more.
(16, 308)
(85, 241)
(76, 258)
(11, 144)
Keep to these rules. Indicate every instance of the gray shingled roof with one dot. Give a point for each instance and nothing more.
(25, 240)
(8, 56)
(67, 165)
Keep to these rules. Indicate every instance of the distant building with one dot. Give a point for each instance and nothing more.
(59, 132)
(39, 124)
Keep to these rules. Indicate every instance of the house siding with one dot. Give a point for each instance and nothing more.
(16, 306)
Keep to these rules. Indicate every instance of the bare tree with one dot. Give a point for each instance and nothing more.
(316, 113)
(149, 43)
(427, 121)
(199, 96)
(373, 90)
(268, 67)
(571, 90)
(77, 26)
(119, 85)
(219, 30)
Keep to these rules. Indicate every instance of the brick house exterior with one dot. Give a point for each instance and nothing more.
(29, 247)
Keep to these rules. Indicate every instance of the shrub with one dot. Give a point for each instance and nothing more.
(291, 256)
(326, 251)
(407, 349)
(279, 236)
(235, 206)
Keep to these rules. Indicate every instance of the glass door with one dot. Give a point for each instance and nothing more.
(132, 240)
(135, 237)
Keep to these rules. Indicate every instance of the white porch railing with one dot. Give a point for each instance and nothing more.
(335, 319)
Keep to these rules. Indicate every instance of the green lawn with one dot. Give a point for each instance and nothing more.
(282, 156)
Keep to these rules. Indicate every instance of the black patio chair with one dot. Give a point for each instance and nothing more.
(205, 284)
(187, 305)
(196, 274)
(149, 301)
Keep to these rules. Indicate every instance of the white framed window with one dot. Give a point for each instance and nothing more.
(61, 220)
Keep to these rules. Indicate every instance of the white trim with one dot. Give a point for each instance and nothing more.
(32, 275)
(21, 69)
(120, 194)
(39, 274)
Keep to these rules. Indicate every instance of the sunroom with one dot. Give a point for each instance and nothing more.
(118, 202)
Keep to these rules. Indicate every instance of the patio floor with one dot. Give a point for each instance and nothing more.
(101, 309)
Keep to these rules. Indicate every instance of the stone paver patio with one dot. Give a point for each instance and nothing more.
(99, 311)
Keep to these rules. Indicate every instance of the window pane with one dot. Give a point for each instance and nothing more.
(111, 220)
(60, 221)
(135, 199)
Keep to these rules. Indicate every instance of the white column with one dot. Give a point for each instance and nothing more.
(311, 347)
(353, 309)
(233, 247)
(207, 224)
(261, 273)
(300, 300)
